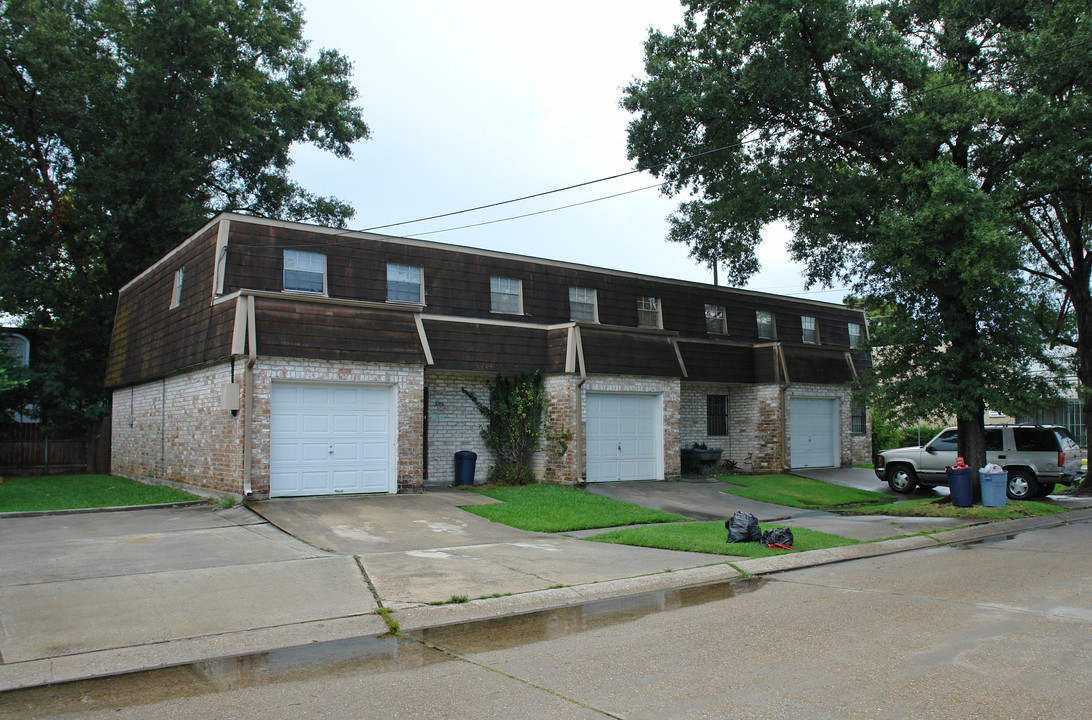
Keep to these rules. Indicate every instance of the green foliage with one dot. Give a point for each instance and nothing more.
(709, 537)
(913, 147)
(557, 508)
(123, 127)
(515, 420)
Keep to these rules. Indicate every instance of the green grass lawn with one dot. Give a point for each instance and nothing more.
(66, 492)
(928, 507)
(709, 537)
(800, 492)
(555, 508)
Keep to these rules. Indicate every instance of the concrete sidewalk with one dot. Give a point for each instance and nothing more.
(86, 595)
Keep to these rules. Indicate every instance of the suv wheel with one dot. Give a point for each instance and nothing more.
(1022, 485)
(901, 479)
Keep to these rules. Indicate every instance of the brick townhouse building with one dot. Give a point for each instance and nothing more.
(271, 358)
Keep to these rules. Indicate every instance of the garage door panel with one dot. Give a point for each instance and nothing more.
(813, 433)
(624, 437)
(329, 439)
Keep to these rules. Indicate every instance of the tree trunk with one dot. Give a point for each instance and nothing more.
(1082, 308)
(972, 443)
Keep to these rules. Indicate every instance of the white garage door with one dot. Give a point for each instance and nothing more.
(331, 439)
(813, 433)
(624, 437)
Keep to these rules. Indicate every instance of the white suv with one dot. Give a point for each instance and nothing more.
(1036, 457)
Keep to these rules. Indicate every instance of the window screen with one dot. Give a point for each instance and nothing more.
(304, 271)
(504, 295)
(404, 283)
(582, 304)
(716, 415)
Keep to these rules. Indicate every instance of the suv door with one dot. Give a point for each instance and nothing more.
(939, 454)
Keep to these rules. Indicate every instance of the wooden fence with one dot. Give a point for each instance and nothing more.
(26, 450)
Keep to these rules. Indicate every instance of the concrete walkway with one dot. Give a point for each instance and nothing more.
(85, 595)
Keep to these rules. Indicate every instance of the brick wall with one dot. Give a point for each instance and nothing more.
(851, 447)
(667, 388)
(753, 441)
(173, 431)
(454, 423)
(408, 383)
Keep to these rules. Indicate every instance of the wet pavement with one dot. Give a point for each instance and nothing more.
(87, 595)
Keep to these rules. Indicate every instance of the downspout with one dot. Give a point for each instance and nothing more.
(248, 422)
(581, 461)
(783, 371)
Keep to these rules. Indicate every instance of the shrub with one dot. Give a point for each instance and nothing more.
(515, 419)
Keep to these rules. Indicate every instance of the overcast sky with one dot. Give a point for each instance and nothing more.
(473, 102)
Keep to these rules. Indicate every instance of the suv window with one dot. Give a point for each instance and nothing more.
(947, 440)
(1034, 439)
(1065, 440)
(994, 442)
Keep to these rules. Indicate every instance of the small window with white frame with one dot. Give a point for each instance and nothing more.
(506, 295)
(766, 328)
(176, 292)
(648, 312)
(856, 334)
(582, 305)
(809, 328)
(304, 271)
(716, 322)
(404, 283)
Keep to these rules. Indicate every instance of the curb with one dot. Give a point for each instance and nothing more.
(186, 651)
(113, 508)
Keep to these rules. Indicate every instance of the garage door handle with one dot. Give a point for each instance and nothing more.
(619, 447)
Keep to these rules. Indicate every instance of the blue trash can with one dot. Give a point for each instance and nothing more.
(959, 483)
(465, 461)
(993, 488)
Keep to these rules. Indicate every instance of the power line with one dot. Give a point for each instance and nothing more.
(690, 158)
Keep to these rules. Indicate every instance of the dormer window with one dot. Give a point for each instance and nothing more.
(404, 283)
(855, 334)
(582, 305)
(304, 271)
(766, 329)
(648, 313)
(176, 291)
(506, 295)
(716, 322)
(810, 329)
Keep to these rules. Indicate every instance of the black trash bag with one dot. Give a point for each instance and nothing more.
(743, 527)
(777, 536)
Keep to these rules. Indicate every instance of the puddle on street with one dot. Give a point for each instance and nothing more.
(356, 656)
(985, 541)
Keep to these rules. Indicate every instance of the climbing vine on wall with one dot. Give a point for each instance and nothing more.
(515, 419)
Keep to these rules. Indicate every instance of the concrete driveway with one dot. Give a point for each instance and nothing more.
(419, 549)
(77, 583)
(704, 500)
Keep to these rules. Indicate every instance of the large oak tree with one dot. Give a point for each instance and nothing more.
(890, 136)
(125, 124)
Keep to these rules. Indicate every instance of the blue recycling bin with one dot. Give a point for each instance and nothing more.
(993, 488)
(465, 461)
(959, 483)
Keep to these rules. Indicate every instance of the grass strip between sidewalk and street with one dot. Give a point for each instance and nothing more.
(709, 537)
(800, 492)
(557, 508)
(71, 492)
(929, 507)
